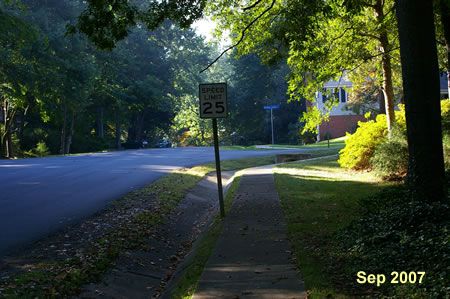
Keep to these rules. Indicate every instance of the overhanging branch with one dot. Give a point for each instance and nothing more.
(252, 6)
(242, 35)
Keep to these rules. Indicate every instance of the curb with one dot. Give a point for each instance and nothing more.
(187, 260)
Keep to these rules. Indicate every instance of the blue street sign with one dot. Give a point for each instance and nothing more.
(271, 107)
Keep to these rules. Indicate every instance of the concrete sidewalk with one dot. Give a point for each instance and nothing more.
(252, 258)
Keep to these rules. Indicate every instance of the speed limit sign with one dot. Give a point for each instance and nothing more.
(213, 100)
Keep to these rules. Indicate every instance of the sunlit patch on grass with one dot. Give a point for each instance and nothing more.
(327, 168)
(318, 199)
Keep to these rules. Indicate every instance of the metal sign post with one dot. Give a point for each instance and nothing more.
(271, 117)
(213, 104)
(218, 171)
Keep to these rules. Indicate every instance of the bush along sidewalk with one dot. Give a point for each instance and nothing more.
(370, 147)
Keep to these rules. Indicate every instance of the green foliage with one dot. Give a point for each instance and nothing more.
(320, 39)
(312, 118)
(390, 158)
(361, 145)
(187, 126)
(53, 82)
(41, 149)
(398, 234)
(298, 136)
(254, 86)
(89, 143)
(106, 23)
(369, 148)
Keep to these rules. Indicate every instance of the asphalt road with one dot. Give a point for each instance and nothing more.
(39, 196)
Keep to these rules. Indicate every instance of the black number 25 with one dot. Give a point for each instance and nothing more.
(207, 107)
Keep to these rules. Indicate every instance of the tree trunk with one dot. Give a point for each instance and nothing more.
(426, 175)
(70, 134)
(100, 126)
(62, 150)
(445, 19)
(135, 131)
(387, 87)
(22, 123)
(118, 129)
(140, 125)
(9, 146)
(381, 102)
(3, 133)
(6, 136)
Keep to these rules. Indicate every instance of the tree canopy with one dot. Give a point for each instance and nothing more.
(59, 91)
(319, 39)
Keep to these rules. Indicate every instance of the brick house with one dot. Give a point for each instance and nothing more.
(341, 119)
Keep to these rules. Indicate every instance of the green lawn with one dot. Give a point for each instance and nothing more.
(319, 198)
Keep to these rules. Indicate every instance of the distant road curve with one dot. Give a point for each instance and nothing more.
(39, 196)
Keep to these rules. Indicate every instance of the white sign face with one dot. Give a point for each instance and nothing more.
(213, 100)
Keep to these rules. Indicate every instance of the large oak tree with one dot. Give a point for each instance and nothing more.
(426, 177)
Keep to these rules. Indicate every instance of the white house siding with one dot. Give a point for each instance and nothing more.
(341, 119)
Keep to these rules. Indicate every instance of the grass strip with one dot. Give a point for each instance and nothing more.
(319, 198)
(186, 286)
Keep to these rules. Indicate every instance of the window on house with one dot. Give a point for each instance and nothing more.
(324, 96)
(343, 95)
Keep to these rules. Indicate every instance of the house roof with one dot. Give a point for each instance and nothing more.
(342, 82)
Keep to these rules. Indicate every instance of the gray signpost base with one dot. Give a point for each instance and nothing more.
(219, 174)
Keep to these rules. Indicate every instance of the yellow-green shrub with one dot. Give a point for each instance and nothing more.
(390, 159)
(360, 146)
